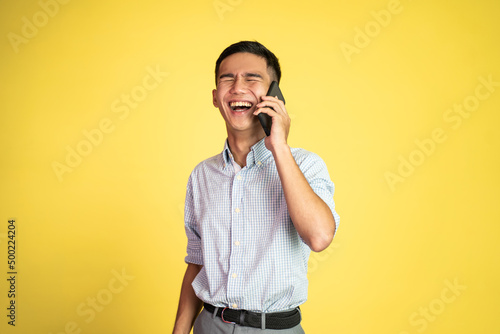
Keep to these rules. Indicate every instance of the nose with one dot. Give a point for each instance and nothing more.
(238, 85)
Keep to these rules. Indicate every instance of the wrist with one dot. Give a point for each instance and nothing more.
(182, 326)
(180, 331)
(280, 150)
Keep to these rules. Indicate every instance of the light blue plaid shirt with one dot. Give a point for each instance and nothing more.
(239, 229)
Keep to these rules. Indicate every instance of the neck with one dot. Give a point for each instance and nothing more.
(241, 143)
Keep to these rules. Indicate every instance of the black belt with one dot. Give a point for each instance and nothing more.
(276, 320)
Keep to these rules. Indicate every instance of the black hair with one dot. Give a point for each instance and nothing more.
(255, 48)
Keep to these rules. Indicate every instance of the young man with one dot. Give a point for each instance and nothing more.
(254, 212)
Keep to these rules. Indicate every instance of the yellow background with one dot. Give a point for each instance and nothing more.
(399, 246)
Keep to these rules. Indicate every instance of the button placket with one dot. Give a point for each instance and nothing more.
(233, 283)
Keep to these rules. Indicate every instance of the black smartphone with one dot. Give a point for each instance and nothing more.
(266, 120)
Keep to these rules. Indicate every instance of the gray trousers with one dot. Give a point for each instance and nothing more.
(208, 323)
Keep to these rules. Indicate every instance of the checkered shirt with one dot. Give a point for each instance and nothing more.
(238, 227)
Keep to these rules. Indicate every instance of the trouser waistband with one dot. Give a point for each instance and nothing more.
(276, 320)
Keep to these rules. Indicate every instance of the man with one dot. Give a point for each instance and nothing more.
(254, 212)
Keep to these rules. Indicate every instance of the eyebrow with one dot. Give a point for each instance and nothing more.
(252, 75)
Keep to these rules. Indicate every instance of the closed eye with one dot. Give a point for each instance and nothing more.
(253, 77)
(226, 77)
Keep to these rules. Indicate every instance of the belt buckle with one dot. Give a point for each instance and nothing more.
(222, 317)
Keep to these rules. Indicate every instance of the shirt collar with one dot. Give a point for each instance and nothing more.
(226, 155)
(257, 155)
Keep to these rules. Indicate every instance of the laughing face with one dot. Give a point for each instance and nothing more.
(242, 80)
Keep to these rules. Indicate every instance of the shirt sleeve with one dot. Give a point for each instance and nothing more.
(194, 250)
(316, 174)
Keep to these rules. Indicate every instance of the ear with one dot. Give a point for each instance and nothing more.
(214, 98)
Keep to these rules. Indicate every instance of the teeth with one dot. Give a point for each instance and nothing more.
(240, 104)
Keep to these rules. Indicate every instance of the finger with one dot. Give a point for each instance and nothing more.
(272, 98)
(266, 110)
(274, 103)
(279, 108)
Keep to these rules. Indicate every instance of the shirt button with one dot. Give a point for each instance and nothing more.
(234, 306)
(237, 210)
(238, 177)
(259, 163)
(237, 243)
(234, 275)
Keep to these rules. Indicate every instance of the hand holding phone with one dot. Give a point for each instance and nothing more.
(266, 120)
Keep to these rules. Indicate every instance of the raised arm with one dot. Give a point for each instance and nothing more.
(310, 215)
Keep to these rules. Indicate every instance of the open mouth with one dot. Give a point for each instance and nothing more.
(240, 106)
